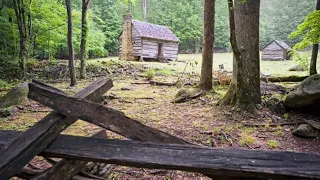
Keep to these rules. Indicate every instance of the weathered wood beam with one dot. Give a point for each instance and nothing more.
(16, 154)
(28, 173)
(258, 164)
(99, 115)
(66, 169)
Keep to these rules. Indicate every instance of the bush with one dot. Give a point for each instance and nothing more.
(301, 59)
(10, 70)
(4, 84)
(32, 63)
(272, 144)
(150, 74)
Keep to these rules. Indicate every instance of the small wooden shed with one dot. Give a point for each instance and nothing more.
(276, 50)
(142, 40)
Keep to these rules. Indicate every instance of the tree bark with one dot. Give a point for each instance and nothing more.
(244, 37)
(208, 44)
(315, 51)
(247, 30)
(70, 46)
(145, 10)
(84, 32)
(19, 9)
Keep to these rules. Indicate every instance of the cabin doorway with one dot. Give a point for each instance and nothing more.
(160, 50)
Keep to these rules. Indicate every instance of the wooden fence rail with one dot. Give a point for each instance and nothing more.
(159, 149)
(214, 161)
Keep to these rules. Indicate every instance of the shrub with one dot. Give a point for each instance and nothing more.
(149, 74)
(301, 59)
(4, 84)
(272, 144)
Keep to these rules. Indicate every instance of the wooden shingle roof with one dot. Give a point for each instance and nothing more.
(283, 45)
(148, 30)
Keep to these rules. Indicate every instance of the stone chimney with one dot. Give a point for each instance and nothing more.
(127, 45)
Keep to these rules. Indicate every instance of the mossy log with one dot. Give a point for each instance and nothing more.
(285, 79)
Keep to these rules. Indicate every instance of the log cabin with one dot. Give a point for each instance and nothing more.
(141, 40)
(275, 51)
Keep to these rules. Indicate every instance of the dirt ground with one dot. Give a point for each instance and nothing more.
(198, 121)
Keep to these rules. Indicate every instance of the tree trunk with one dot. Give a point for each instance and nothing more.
(315, 50)
(208, 44)
(19, 9)
(145, 10)
(84, 32)
(247, 33)
(70, 46)
(244, 37)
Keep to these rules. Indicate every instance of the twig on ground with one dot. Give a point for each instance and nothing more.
(140, 82)
(33, 167)
(163, 83)
(51, 161)
(148, 98)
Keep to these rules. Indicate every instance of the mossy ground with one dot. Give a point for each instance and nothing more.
(196, 121)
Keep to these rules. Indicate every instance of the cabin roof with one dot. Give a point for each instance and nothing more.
(283, 45)
(148, 30)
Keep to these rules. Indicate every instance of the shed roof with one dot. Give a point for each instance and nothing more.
(283, 45)
(154, 31)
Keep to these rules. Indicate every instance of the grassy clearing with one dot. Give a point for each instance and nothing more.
(267, 67)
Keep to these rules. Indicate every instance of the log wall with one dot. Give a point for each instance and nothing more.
(150, 49)
(273, 52)
(136, 40)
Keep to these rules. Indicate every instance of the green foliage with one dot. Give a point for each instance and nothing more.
(280, 18)
(309, 29)
(164, 71)
(301, 59)
(4, 84)
(272, 144)
(149, 74)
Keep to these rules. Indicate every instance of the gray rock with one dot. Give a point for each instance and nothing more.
(270, 88)
(297, 68)
(15, 96)
(305, 131)
(187, 93)
(5, 112)
(306, 94)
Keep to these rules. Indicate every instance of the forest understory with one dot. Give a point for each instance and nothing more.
(199, 120)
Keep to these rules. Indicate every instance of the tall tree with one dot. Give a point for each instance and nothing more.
(244, 92)
(145, 10)
(20, 9)
(84, 32)
(315, 50)
(70, 46)
(208, 44)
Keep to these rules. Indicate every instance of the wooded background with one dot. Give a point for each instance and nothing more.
(47, 24)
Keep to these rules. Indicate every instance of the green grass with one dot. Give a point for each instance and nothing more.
(267, 67)
(272, 144)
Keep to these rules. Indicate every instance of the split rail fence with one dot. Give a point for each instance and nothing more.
(147, 148)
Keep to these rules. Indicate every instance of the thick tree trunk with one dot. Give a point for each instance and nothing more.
(70, 46)
(208, 44)
(315, 51)
(84, 32)
(247, 33)
(244, 37)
